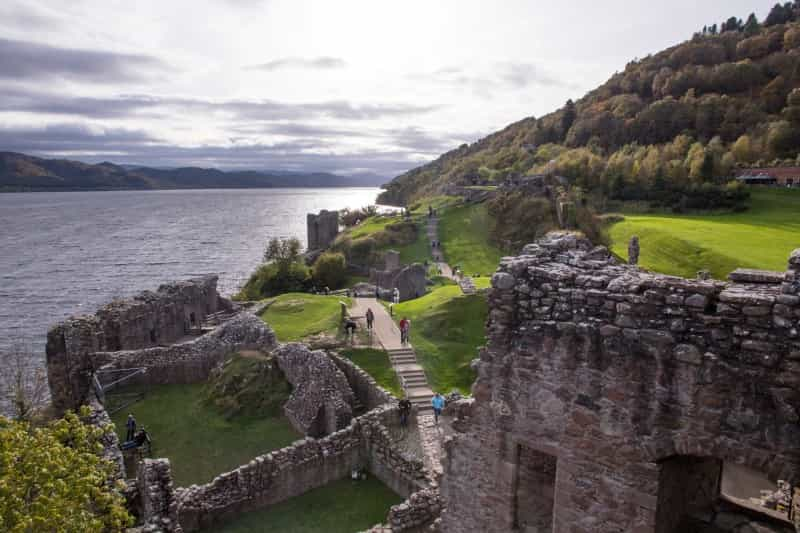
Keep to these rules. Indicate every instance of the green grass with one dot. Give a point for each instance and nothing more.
(372, 225)
(295, 316)
(761, 237)
(376, 364)
(343, 506)
(199, 441)
(464, 232)
(418, 251)
(447, 327)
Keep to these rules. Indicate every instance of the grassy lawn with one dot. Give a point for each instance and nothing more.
(761, 237)
(447, 327)
(464, 232)
(372, 225)
(343, 506)
(376, 364)
(295, 316)
(419, 250)
(200, 442)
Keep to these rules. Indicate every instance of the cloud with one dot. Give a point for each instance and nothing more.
(64, 138)
(15, 15)
(503, 76)
(26, 60)
(34, 101)
(520, 75)
(313, 63)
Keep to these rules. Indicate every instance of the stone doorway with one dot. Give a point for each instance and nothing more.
(534, 492)
(688, 487)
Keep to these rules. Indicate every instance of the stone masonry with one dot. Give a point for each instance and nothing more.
(608, 396)
(322, 229)
(146, 320)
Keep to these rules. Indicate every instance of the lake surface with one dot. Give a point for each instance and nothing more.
(69, 253)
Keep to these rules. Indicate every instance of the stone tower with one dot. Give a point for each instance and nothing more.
(322, 229)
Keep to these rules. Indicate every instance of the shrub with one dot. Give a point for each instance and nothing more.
(330, 270)
(272, 280)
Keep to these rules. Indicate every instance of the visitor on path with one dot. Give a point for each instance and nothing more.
(130, 424)
(396, 296)
(430, 212)
(137, 441)
(405, 410)
(350, 328)
(405, 329)
(438, 404)
(377, 293)
(370, 318)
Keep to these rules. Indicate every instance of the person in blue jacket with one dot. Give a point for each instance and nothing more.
(438, 404)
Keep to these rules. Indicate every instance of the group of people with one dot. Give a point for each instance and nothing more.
(431, 212)
(404, 406)
(134, 439)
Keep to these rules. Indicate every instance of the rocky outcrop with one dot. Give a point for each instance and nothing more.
(146, 320)
(607, 396)
(321, 401)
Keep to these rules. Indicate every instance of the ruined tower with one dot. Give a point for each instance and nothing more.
(322, 229)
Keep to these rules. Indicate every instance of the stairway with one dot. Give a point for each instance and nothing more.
(412, 377)
(467, 285)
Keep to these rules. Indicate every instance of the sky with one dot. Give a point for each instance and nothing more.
(309, 85)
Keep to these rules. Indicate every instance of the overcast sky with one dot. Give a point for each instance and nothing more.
(342, 86)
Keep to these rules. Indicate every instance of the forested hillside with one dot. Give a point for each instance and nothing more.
(669, 129)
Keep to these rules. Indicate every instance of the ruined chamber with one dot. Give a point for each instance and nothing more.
(611, 399)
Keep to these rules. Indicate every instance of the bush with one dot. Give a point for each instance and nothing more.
(272, 280)
(330, 270)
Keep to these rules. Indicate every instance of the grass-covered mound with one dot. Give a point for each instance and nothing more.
(376, 363)
(200, 440)
(295, 316)
(464, 233)
(761, 237)
(343, 506)
(249, 384)
(447, 327)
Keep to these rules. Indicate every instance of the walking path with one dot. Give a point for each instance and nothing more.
(465, 282)
(412, 378)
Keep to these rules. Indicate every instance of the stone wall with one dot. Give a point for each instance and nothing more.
(191, 361)
(420, 509)
(157, 500)
(99, 417)
(146, 320)
(411, 281)
(615, 372)
(364, 386)
(296, 469)
(321, 400)
(322, 229)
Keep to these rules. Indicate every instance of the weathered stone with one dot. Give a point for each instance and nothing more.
(503, 281)
(688, 353)
(696, 300)
(322, 229)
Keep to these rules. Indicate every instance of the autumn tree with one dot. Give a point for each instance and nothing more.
(53, 478)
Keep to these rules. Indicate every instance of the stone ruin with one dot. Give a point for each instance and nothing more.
(411, 281)
(322, 229)
(179, 335)
(609, 398)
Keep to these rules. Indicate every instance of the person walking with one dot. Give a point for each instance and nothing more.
(405, 410)
(396, 296)
(437, 402)
(402, 324)
(370, 316)
(350, 329)
(130, 425)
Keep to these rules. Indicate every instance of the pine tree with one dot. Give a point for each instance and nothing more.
(751, 27)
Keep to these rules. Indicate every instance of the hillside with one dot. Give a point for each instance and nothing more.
(20, 172)
(669, 129)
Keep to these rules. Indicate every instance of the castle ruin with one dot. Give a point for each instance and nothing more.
(611, 399)
(322, 229)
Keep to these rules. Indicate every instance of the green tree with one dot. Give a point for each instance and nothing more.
(752, 26)
(283, 252)
(53, 478)
(330, 270)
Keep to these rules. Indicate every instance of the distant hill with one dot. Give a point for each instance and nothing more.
(20, 172)
(670, 126)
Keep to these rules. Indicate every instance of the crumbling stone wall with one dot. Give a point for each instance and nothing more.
(191, 361)
(321, 400)
(157, 501)
(614, 371)
(410, 281)
(364, 386)
(322, 229)
(420, 509)
(296, 469)
(146, 320)
(98, 416)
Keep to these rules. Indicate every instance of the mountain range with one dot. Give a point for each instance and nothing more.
(21, 172)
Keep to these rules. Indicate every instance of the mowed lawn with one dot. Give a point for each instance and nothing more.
(198, 440)
(464, 233)
(343, 506)
(375, 363)
(294, 316)
(447, 328)
(761, 237)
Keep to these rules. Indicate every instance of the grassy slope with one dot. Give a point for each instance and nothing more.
(446, 330)
(343, 506)
(294, 316)
(371, 225)
(761, 237)
(464, 232)
(198, 440)
(376, 364)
